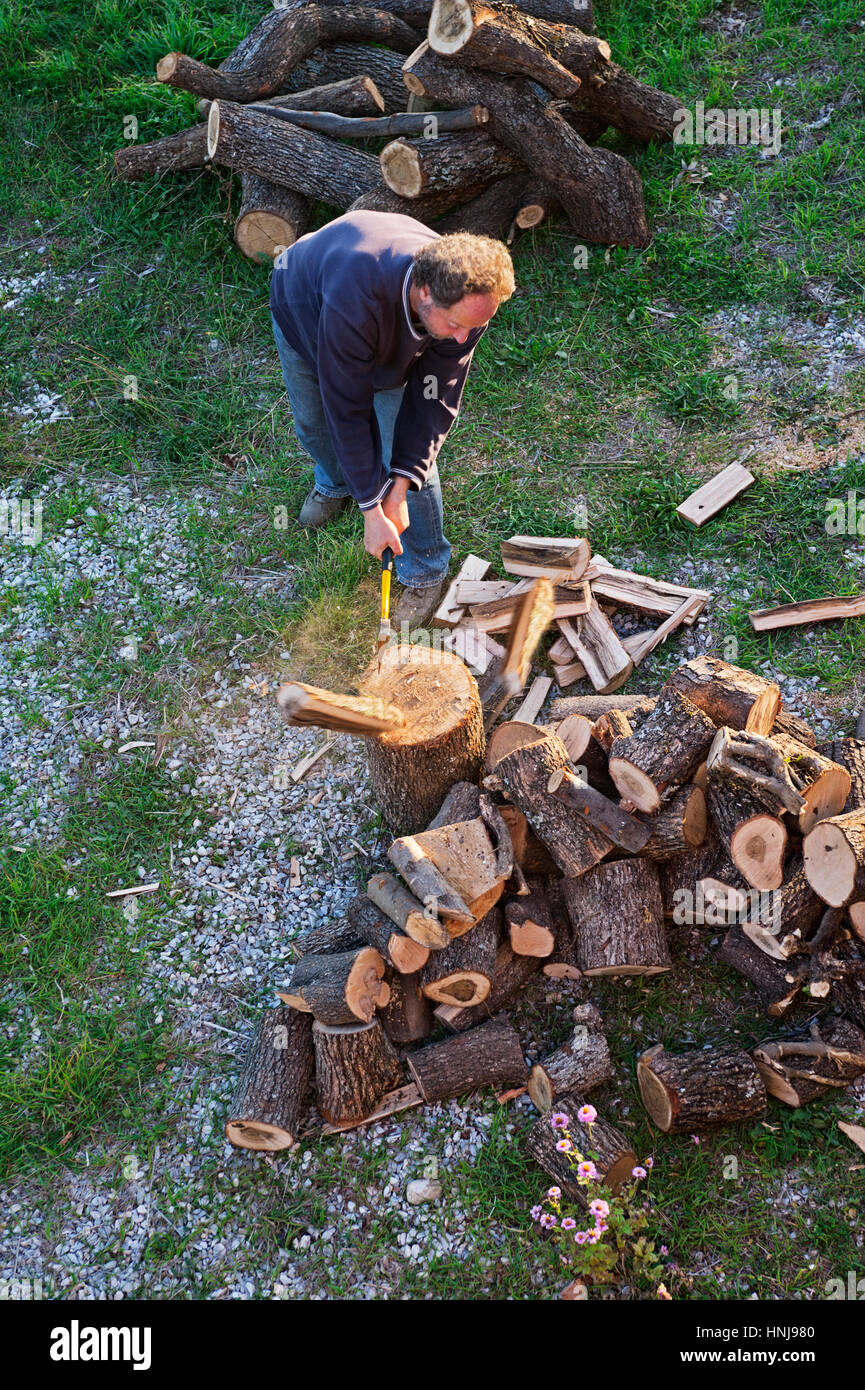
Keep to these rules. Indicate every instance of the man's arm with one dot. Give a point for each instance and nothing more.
(346, 372)
(430, 406)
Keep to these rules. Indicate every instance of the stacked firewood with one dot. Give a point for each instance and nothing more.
(565, 848)
(496, 110)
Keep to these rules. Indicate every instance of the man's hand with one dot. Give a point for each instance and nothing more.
(395, 506)
(380, 532)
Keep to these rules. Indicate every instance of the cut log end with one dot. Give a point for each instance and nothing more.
(212, 120)
(258, 1136)
(166, 67)
(634, 785)
(757, 849)
(830, 864)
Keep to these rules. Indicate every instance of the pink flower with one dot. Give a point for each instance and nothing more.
(638, 1172)
(554, 1193)
(586, 1169)
(592, 1237)
(559, 1120)
(535, 1213)
(548, 1220)
(581, 1237)
(664, 1250)
(649, 1162)
(563, 1145)
(587, 1114)
(568, 1224)
(696, 1138)
(600, 1227)
(599, 1208)
(664, 1294)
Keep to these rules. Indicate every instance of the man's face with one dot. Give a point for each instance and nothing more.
(472, 311)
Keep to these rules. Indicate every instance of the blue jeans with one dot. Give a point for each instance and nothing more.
(425, 551)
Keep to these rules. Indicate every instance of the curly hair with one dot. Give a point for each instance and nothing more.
(459, 264)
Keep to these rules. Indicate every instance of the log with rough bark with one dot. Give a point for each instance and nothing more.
(752, 829)
(274, 1082)
(463, 802)
(797, 1071)
(334, 62)
(376, 929)
(407, 1016)
(729, 694)
(834, 855)
(289, 155)
(502, 39)
(467, 161)
(355, 1066)
(850, 754)
(417, 12)
(505, 737)
(768, 975)
(397, 903)
(490, 213)
(328, 940)
(462, 974)
(594, 706)
(690, 1092)
(808, 784)
(431, 125)
(599, 1142)
(510, 976)
(491, 1055)
(525, 774)
(581, 1063)
(530, 925)
(185, 150)
(681, 877)
(380, 198)
(338, 989)
(350, 96)
(270, 218)
(600, 191)
(678, 827)
(793, 910)
(464, 856)
(792, 725)
(539, 203)
(599, 811)
(617, 915)
(662, 752)
(499, 836)
(441, 740)
(267, 56)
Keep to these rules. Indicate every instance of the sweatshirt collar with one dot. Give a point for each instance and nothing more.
(407, 306)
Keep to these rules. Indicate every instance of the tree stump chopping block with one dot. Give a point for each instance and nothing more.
(729, 694)
(662, 752)
(355, 1066)
(442, 741)
(525, 774)
(491, 1055)
(274, 1082)
(583, 1062)
(599, 1142)
(617, 915)
(694, 1091)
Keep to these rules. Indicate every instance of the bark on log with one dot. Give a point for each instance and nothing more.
(376, 929)
(466, 161)
(511, 734)
(273, 1085)
(539, 203)
(287, 154)
(531, 929)
(351, 96)
(599, 811)
(329, 940)
(462, 974)
(599, 190)
(662, 752)
(609, 1150)
(417, 12)
(798, 1071)
(767, 975)
(270, 218)
(491, 1055)
(355, 1066)
(406, 912)
(525, 774)
(380, 198)
(850, 754)
(338, 989)
(583, 1062)
(792, 725)
(834, 855)
(679, 827)
(822, 784)
(730, 695)
(752, 831)
(691, 1092)
(500, 40)
(267, 56)
(618, 919)
(510, 976)
(463, 802)
(593, 706)
(490, 213)
(429, 124)
(441, 742)
(333, 63)
(530, 853)
(185, 150)
(407, 1017)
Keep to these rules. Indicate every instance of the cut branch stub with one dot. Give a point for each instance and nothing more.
(468, 161)
(695, 1091)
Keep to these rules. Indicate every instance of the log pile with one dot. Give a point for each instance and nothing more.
(491, 116)
(564, 849)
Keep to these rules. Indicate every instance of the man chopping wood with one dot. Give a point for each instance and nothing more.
(376, 319)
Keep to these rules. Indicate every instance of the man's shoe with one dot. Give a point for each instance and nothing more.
(416, 606)
(318, 510)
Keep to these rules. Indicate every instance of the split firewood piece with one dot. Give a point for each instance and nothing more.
(729, 694)
(406, 912)
(430, 886)
(274, 1082)
(505, 737)
(531, 706)
(375, 928)
(531, 930)
(678, 827)
(574, 844)
(850, 754)
(602, 1144)
(450, 612)
(477, 649)
(689, 1092)
(361, 714)
(491, 212)
(328, 940)
(407, 1017)
(462, 974)
(270, 218)
(751, 826)
(562, 559)
(834, 855)
(473, 592)
(598, 811)
(640, 590)
(502, 40)
(275, 47)
(185, 150)
(467, 161)
(817, 610)
(464, 857)
(594, 706)
(355, 1067)
(560, 652)
(662, 752)
(568, 673)
(583, 1062)
(599, 649)
(338, 989)
(794, 727)
(288, 154)
(463, 802)
(808, 784)
(510, 976)
(402, 124)
(769, 977)
(798, 1071)
(530, 853)
(491, 1055)
(618, 919)
(441, 740)
(600, 191)
(531, 618)
(710, 499)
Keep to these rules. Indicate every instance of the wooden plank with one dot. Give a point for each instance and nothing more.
(471, 591)
(815, 610)
(715, 495)
(449, 612)
(568, 673)
(531, 705)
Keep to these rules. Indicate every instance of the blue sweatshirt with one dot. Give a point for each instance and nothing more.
(340, 296)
